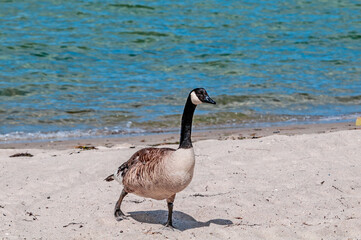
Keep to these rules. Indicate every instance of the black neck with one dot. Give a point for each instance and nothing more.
(186, 130)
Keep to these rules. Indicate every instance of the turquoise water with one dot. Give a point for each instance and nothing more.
(90, 68)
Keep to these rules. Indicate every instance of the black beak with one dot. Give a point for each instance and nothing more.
(207, 99)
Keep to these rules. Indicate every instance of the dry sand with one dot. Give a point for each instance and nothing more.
(305, 186)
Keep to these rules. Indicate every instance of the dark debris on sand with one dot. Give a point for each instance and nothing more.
(22, 155)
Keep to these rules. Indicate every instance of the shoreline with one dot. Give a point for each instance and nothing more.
(157, 139)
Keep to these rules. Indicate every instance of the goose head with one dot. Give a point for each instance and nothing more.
(200, 95)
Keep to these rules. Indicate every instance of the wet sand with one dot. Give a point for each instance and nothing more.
(158, 139)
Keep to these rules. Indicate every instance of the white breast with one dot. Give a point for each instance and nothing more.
(180, 167)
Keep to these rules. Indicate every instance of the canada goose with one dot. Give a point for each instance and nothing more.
(160, 173)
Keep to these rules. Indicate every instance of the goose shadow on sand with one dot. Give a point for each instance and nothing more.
(181, 221)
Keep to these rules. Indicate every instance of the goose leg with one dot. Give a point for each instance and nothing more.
(170, 211)
(118, 214)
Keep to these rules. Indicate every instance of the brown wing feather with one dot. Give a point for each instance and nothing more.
(145, 156)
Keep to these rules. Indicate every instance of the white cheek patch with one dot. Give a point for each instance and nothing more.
(195, 100)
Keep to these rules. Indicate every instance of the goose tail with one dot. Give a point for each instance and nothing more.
(109, 178)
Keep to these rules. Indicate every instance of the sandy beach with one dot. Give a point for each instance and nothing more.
(289, 182)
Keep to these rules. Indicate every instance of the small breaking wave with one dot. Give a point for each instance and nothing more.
(20, 136)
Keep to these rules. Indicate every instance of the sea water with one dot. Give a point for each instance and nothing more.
(71, 69)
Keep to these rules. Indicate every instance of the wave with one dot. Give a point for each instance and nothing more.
(170, 123)
(20, 136)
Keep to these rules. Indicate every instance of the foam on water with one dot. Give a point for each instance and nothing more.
(212, 121)
(66, 135)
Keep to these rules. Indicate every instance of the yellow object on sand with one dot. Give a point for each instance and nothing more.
(358, 121)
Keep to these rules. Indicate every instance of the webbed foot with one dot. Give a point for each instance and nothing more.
(169, 225)
(119, 215)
